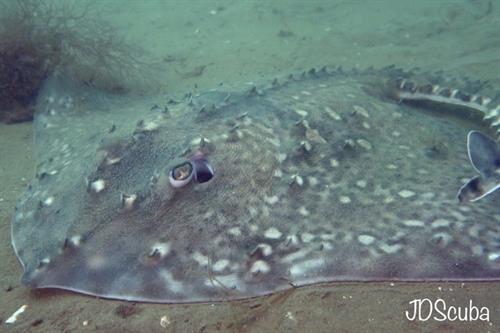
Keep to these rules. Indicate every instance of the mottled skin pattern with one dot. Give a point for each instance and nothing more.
(318, 177)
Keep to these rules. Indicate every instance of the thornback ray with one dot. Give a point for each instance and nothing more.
(240, 192)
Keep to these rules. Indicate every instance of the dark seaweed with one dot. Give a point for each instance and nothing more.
(39, 38)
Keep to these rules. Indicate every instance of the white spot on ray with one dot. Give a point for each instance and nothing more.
(313, 181)
(161, 248)
(297, 179)
(406, 194)
(388, 199)
(281, 157)
(253, 211)
(75, 240)
(493, 256)
(265, 211)
(366, 239)
(172, 284)
(98, 185)
(305, 267)
(201, 259)
(271, 200)
(275, 142)
(235, 231)
(301, 113)
(344, 199)
(364, 143)
(428, 195)
(334, 163)
(266, 249)
(328, 236)
(390, 248)
(128, 200)
(111, 161)
(220, 265)
(332, 113)
(465, 209)
(197, 141)
(361, 110)
(96, 262)
(413, 223)
(295, 255)
(440, 223)
(458, 215)
(272, 233)
(442, 238)
(150, 126)
(292, 240)
(49, 201)
(477, 250)
(361, 183)
(303, 211)
(307, 237)
(260, 266)
(231, 281)
(327, 246)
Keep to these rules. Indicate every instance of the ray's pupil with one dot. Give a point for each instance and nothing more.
(182, 171)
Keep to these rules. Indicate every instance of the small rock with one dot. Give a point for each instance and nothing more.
(37, 322)
(164, 321)
(126, 310)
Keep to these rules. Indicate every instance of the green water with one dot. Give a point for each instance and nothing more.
(196, 45)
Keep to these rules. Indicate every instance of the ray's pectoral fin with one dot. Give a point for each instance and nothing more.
(477, 188)
(484, 155)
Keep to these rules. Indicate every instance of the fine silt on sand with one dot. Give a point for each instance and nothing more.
(281, 40)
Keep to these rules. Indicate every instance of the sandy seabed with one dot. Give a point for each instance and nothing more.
(203, 43)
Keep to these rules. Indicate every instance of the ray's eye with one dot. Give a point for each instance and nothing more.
(197, 168)
(181, 174)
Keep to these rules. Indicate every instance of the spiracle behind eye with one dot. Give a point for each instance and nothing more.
(203, 171)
